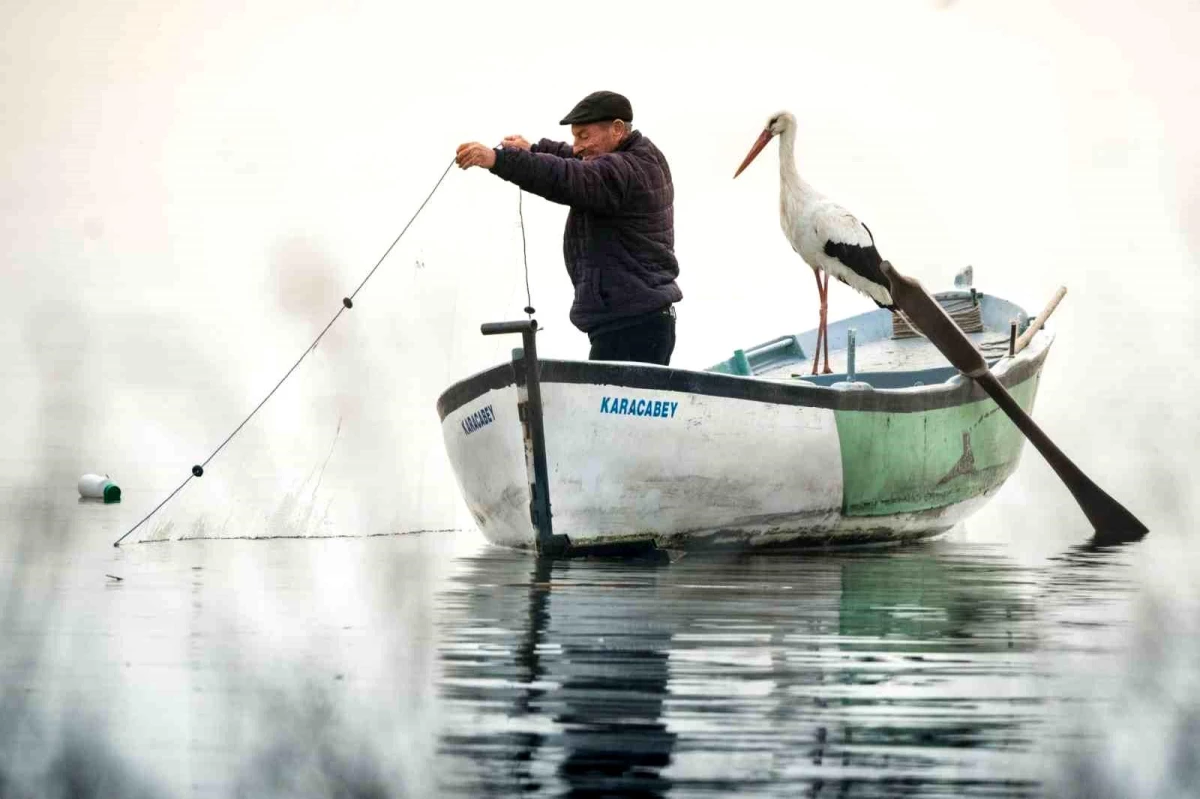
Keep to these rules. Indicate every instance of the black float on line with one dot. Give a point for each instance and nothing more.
(347, 303)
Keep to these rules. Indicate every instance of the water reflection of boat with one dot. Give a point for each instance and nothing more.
(750, 452)
(582, 674)
(594, 678)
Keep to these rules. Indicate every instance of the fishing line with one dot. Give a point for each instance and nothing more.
(347, 303)
(529, 309)
(421, 531)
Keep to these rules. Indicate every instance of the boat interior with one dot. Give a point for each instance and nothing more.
(887, 353)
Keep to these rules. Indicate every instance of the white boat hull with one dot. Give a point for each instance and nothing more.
(692, 459)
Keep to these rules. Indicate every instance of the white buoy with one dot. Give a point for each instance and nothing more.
(99, 486)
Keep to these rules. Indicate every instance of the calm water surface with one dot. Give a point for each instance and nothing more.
(437, 665)
(189, 192)
(993, 662)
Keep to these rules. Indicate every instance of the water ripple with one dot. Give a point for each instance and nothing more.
(921, 671)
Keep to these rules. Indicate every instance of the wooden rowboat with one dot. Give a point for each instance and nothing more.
(751, 452)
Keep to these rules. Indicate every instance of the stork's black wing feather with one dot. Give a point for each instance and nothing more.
(862, 260)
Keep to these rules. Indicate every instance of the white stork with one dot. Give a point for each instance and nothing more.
(828, 237)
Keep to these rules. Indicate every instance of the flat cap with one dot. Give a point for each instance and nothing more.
(599, 107)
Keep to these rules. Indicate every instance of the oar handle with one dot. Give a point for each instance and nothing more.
(1024, 339)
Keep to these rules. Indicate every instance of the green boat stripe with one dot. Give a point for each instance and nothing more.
(905, 462)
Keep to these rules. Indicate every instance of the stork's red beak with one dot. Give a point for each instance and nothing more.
(754, 151)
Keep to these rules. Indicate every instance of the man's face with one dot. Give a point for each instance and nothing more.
(596, 138)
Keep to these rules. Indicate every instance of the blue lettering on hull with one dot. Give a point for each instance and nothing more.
(481, 418)
(640, 406)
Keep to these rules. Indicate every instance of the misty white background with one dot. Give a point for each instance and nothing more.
(191, 189)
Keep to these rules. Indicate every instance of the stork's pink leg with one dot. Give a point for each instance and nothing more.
(820, 322)
(825, 322)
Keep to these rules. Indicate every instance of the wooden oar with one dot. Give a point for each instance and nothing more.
(1037, 323)
(1112, 522)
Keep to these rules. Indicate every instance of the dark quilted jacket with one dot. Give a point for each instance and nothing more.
(620, 236)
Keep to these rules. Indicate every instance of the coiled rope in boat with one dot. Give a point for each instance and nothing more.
(963, 310)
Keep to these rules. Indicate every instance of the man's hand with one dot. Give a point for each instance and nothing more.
(475, 154)
(515, 141)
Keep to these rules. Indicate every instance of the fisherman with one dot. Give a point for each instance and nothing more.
(620, 235)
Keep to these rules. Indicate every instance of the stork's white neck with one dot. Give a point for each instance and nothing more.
(791, 185)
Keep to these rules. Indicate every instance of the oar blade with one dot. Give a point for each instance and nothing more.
(1112, 521)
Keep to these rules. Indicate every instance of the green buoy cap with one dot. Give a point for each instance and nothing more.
(112, 493)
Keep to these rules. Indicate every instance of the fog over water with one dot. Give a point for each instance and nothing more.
(191, 191)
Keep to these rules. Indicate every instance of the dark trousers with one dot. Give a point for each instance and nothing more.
(648, 341)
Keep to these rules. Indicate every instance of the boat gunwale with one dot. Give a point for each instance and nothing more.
(957, 390)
